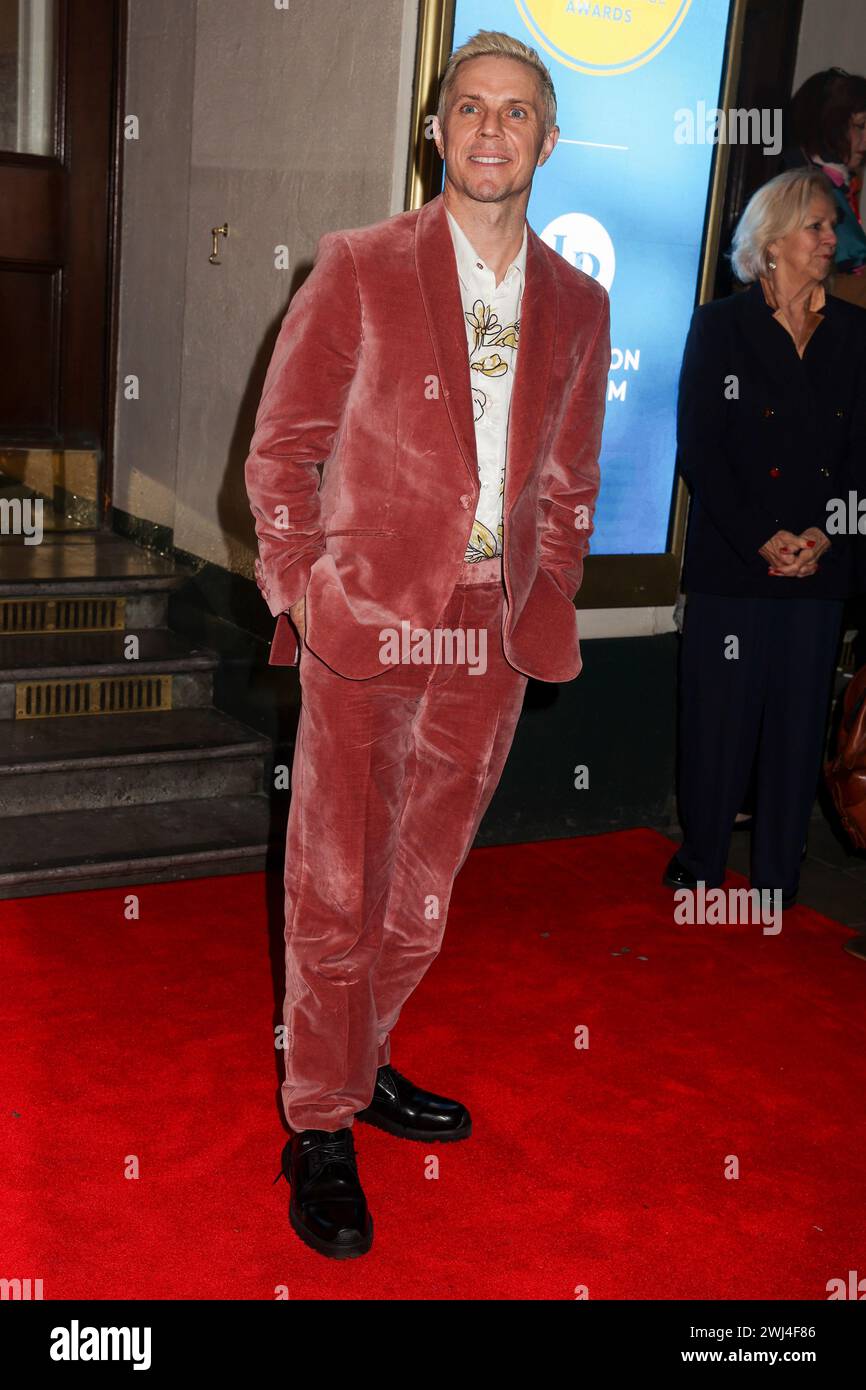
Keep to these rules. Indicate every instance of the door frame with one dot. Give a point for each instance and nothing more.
(112, 317)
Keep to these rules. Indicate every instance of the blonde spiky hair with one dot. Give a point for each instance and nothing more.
(490, 43)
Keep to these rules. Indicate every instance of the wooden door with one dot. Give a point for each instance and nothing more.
(58, 79)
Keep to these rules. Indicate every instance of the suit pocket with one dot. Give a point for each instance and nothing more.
(360, 531)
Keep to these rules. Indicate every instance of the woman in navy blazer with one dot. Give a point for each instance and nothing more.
(772, 444)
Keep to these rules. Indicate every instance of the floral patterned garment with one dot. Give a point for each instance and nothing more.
(492, 314)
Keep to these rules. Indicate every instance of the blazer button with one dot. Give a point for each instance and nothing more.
(825, 472)
(768, 411)
(775, 472)
(465, 500)
(839, 414)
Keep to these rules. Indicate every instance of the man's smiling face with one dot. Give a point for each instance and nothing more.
(494, 135)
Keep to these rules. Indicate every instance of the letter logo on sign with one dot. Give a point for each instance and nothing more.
(584, 243)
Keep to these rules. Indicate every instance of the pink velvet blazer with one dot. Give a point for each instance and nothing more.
(370, 379)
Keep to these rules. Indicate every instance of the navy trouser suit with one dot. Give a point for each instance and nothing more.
(767, 440)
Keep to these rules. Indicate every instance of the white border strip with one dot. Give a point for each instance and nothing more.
(594, 623)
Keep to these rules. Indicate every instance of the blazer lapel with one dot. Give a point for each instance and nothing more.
(803, 389)
(828, 347)
(436, 266)
(538, 323)
(772, 343)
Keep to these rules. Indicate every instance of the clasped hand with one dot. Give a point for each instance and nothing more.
(795, 557)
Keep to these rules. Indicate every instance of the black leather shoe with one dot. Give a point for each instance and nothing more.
(328, 1208)
(402, 1108)
(676, 875)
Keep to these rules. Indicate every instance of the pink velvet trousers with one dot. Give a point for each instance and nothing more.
(390, 780)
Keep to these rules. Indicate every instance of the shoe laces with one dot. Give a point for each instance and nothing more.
(332, 1147)
(335, 1147)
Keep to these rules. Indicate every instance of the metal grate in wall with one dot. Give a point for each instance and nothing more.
(59, 699)
(90, 613)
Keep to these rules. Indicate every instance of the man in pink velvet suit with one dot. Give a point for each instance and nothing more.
(447, 370)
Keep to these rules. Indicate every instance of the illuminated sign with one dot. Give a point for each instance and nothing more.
(623, 198)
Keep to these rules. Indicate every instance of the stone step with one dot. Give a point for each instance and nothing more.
(87, 562)
(124, 845)
(97, 800)
(90, 655)
(116, 760)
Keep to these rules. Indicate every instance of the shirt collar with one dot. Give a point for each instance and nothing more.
(817, 301)
(470, 264)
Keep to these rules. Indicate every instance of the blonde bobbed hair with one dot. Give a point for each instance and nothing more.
(779, 207)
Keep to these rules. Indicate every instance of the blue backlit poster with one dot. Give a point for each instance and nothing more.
(624, 198)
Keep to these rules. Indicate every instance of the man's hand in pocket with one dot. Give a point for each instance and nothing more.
(298, 613)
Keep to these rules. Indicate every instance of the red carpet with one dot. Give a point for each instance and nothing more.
(602, 1167)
